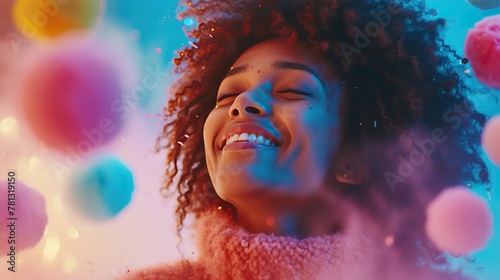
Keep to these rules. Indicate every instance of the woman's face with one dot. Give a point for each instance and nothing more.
(274, 131)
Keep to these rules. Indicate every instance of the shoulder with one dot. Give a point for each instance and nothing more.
(179, 270)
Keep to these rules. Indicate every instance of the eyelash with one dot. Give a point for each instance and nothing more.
(224, 96)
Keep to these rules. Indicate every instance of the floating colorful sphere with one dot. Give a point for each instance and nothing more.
(42, 19)
(459, 221)
(482, 48)
(490, 139)
(102, 189)
(68, 95)
(485, 4)
(22, 217)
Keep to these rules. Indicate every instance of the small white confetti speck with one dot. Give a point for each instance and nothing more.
(193, 44)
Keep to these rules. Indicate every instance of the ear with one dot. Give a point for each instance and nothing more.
(352, 170)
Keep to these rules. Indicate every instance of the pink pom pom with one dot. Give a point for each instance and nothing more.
(491, 138)
(459, 221)
(482, 48)
(70, 95)
(28, 209)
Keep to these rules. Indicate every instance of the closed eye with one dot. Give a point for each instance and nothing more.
(295, 91)
(224, 96)
(227, 95)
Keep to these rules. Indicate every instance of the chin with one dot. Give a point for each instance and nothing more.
(242, 185)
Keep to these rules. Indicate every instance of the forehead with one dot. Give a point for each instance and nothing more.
(268, 52)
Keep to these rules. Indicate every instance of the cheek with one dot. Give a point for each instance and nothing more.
(320, 120)
(212, 125)
(210, 129)
(320, 128)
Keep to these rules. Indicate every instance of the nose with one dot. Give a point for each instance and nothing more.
(249, 103)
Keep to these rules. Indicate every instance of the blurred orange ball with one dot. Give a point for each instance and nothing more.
(49, 18)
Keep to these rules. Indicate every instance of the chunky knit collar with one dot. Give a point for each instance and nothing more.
(230, 252)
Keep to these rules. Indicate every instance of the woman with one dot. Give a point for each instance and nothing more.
(311, 135)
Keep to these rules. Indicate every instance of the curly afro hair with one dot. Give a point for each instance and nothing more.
(397, 76)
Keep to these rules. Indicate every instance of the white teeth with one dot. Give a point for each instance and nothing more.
(259, 139)
(243, 137)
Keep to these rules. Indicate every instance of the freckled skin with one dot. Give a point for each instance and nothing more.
(263, 181)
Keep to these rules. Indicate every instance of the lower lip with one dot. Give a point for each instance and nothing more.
(243, 146)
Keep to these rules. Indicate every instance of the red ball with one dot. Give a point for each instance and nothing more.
(482, 48)
(68, 97)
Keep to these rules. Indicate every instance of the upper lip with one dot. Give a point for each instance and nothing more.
(250, 128)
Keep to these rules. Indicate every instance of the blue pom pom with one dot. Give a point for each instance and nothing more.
(102, 189)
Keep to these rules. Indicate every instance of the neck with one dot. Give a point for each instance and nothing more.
(313, 217)
(267, 220)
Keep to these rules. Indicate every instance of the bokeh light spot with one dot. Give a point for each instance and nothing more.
(188, 21)
(8, 127)
(35, 163)
(69, 264)
(389, 241)
(51, 249)
(72, 233)
(270, 221)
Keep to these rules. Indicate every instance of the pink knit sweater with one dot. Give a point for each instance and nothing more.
(228, 251)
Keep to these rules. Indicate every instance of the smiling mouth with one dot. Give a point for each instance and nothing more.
(244, 145)
(248, 140)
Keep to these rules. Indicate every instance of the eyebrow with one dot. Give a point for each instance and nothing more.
(276, 65)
